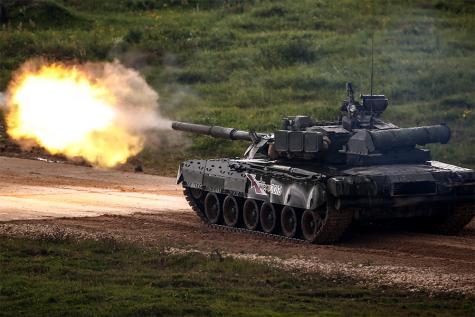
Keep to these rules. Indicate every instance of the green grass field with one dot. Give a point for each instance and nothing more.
(58, 278)
(239, 63)
(246, 63)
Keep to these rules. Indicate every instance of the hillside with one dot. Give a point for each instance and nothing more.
(248, 63)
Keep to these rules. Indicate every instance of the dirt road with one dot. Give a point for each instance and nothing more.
(49, 199)
(36, 189)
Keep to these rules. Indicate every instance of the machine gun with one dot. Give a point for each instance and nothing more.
(356, 115)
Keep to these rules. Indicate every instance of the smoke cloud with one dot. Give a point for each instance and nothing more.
(136, 102)
(101, 111)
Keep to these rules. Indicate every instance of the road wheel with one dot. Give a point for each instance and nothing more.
(289, 222)
(231, 211)
(269, 218)
(212, 208)
(251, 214)
(311, 224)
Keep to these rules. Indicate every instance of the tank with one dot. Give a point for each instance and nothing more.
(311, 179)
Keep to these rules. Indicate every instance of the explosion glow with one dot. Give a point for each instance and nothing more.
(68, 111)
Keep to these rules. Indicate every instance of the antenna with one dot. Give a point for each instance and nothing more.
(372, 47)
(372, 63)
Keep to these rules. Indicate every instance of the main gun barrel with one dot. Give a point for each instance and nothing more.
(214, 131)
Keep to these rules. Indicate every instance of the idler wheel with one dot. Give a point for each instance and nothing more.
(269, 218)
(212, 208)
(251, 214)
(311, 224)
(289, 222)
(231, 211)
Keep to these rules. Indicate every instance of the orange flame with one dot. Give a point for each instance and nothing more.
(63, 109)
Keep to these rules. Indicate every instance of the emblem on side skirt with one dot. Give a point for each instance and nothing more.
(262, 188)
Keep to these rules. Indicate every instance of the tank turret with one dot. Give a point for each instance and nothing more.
(358, 137)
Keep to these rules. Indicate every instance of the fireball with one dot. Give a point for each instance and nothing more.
(65, 110)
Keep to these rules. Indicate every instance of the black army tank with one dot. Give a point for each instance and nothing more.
(311, 179)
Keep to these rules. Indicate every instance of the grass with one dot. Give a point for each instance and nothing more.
(57, 278)
(246, 63)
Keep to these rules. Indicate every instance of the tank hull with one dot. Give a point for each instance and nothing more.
(433, 190)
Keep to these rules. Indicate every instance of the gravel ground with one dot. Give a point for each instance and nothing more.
(370, 274)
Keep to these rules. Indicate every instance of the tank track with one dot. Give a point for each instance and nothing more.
(195, 205)
(454, 222)
(335, 225)
(258, 233)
